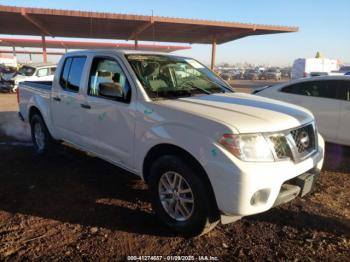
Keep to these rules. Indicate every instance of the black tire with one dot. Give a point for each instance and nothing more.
(205, 215)
(48, 141)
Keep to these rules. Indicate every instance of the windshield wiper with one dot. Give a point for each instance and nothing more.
(220, 84)
(190, 84)
(172, 94)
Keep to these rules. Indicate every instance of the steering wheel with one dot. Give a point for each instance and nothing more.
(186, 83)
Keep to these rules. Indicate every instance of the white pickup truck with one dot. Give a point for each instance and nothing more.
(206, 152)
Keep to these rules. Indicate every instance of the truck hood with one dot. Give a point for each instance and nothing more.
(19, 78)
(243, 112)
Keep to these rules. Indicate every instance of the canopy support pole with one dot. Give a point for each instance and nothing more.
(213, 53)
(44, 48)
(14, 51)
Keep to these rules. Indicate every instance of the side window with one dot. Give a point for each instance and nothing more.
(71, 73)
(293, 89)
(344, 90)
(42, 72)
(108, 80)
(325, 89)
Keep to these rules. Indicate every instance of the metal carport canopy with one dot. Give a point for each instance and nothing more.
(65, 44)
(82, 24)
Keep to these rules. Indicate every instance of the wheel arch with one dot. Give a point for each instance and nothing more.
(170, 149)
(32, 111)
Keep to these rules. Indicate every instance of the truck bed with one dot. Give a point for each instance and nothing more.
(39, 84)
(35, 93)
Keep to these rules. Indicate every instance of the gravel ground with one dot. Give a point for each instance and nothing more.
(72, 206)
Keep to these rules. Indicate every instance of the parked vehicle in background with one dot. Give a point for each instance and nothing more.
(6, 73)
(236, 74)
(31, 72)
(306, 67)
(286, 73)
(226, 75)
(260, 69)
(240, 73)
(251, 74)
(230, 74)
(327, 97)
(271, 74)
(344, 70)
(205, 151)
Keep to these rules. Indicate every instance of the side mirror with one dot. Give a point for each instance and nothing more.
(110, 90)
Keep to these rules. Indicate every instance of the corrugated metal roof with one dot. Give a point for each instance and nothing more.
(21, 42)
(82, 24)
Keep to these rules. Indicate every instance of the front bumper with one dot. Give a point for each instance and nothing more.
(298, 186)
(7, 85)
(247, 188)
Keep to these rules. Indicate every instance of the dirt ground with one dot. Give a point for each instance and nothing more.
(72, 206)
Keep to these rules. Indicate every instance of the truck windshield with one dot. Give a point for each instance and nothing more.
(26, 71)
(165, 76)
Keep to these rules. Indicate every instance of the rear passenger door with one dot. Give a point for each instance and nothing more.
(66, 100)
(320, 97)
(108, 117)
(344, 123)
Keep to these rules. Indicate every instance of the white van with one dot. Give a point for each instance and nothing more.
(306, 67)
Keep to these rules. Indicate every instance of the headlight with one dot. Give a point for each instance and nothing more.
(252, 147)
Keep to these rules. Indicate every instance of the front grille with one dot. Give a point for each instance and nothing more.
(281, 146)
(304, 139)
(295, 144)
(9, 82)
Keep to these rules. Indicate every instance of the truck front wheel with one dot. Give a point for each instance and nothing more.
(180, 197)
(41, 137)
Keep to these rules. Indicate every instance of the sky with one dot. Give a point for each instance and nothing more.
(323, 25)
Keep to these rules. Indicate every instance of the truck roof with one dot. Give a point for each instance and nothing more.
(327, 77)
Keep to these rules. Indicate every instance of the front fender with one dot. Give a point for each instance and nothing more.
(184, 136)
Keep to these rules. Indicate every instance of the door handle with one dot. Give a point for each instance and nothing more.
(85, 106)
(57, 99)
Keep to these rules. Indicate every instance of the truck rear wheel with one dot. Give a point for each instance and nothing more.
(180, 197)
(42, 140)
